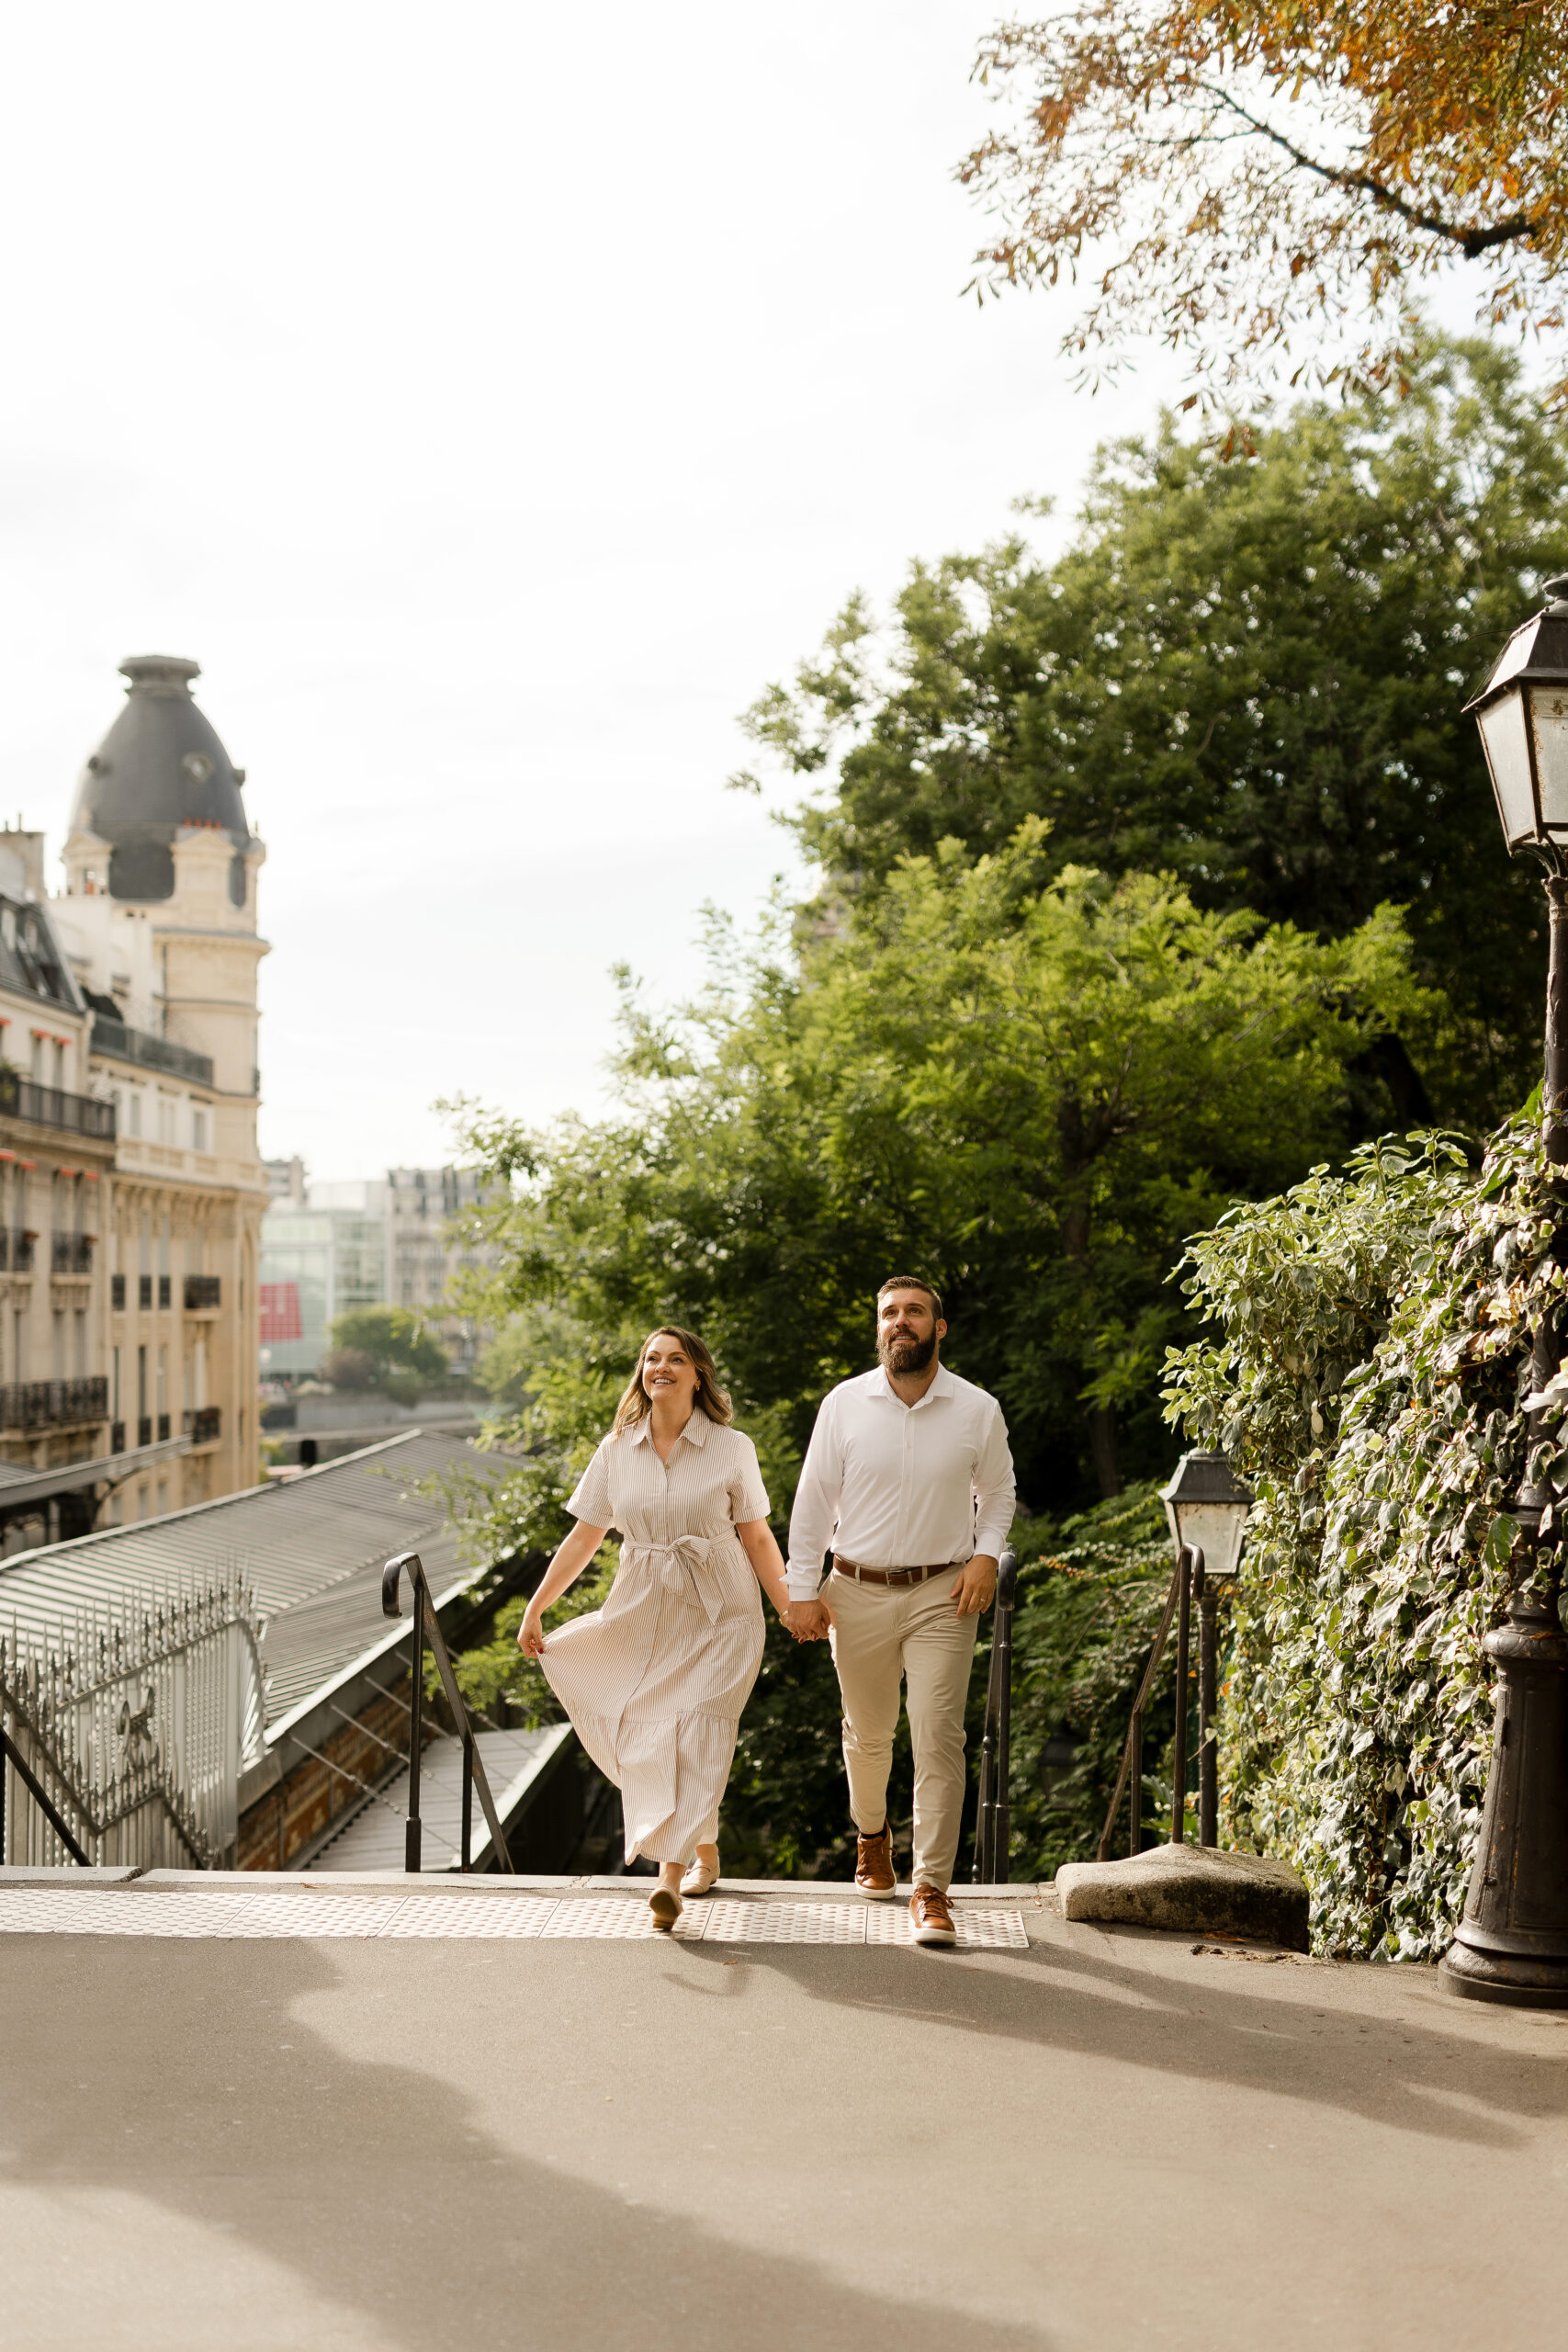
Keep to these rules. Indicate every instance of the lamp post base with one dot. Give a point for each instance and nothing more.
(1513, 1980)
(1512, 1945)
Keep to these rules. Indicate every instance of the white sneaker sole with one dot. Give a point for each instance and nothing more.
(877, 1894)
(935, 1936)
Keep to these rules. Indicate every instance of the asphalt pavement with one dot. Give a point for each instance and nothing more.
(1102, 2140)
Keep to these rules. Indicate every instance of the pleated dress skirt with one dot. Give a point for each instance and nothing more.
(655, 1682)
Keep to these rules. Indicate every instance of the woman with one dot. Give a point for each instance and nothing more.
(654, 1681)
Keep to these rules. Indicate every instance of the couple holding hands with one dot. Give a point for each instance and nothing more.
(909, 1483)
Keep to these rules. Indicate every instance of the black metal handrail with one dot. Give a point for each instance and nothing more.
(10, 1752)
(1188, 1583)
(993, 1819)
(426, 1623)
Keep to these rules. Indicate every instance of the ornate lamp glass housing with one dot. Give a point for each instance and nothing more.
(1207, 1505)
(1522, 712)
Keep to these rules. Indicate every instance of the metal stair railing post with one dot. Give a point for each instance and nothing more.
(1206, 1593)
(426, 1623)
(993, 1818)
(1133, 1750)
(1194, 1556)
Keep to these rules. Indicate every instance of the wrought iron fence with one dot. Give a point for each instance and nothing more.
(122, 1737)
(71, 1253)
(52, 1404)
(202, 1426)
(16, 1250)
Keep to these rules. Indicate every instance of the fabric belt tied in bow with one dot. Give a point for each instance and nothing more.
(685, 1564)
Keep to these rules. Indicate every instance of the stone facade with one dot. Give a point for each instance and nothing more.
(128, 1095)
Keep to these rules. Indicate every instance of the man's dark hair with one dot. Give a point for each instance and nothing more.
(913, 1281)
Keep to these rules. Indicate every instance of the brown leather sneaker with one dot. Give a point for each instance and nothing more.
(874, 1865)
(933, 1918)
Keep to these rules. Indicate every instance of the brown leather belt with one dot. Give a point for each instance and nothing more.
(852, 1568)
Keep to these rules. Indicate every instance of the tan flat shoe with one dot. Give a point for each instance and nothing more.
(699, 1879)
(665, 1905)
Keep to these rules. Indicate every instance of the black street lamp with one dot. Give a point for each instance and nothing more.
(1512, 1944)
(1206, 1505)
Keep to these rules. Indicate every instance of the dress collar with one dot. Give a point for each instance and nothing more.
(695, 1431)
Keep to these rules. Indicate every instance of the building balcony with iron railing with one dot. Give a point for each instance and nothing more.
(204, 1293)
(71, 1253)
(16, 1250)
(205, 1426)
(51, 1106)
(53, 1404)
(121, 1043)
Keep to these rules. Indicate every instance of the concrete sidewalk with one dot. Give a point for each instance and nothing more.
(1099, 2140)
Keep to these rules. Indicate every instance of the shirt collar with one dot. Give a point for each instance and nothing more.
(695, 1431)
(878, 1384)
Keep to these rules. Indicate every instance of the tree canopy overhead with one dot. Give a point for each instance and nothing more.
(1250, 675)
(1244, 177)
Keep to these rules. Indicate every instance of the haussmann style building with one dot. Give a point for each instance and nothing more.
(131, 1192)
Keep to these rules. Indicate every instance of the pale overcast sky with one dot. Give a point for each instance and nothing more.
(491, 398)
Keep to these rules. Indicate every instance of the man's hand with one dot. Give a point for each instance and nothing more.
(809, 1621)
(977, 1587)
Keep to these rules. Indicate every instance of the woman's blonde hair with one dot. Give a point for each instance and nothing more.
(635, 1405)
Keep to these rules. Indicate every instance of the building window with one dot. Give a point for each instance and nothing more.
(198, 1130)
(135, 1099)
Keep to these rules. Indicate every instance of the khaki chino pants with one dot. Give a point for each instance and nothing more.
(884, 1635)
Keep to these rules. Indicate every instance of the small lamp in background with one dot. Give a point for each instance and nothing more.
(1207, 1506)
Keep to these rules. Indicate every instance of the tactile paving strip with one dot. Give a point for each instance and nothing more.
(269, 1912)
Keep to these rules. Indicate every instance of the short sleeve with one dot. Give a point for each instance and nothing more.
(748, 1496)
(589, 1499)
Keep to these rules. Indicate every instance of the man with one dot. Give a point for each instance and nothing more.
(908, 1477)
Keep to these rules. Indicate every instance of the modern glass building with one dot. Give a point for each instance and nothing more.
(316, 1263)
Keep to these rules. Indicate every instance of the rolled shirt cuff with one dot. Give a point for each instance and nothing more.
(802, 1581)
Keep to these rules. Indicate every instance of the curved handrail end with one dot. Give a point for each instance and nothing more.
(391, 1576)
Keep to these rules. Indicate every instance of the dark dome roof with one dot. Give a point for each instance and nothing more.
(160, 768)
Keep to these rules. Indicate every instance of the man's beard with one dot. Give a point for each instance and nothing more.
(902, 1353)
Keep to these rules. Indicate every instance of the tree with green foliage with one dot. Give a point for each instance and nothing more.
(1030, 1086)
(385, 1348)
(1249, 676)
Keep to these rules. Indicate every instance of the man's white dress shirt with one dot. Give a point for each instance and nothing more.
(896, 1485)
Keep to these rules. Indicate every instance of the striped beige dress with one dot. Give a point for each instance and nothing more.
(655, 1681)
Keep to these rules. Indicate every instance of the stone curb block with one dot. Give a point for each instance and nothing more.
(1192, 1890)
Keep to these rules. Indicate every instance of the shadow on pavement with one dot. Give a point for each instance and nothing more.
(182, 2072)
(1395, 2072)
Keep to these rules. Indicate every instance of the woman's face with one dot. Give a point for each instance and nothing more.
(669, 1375)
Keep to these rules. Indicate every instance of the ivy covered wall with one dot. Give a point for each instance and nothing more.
(1369, 1360)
